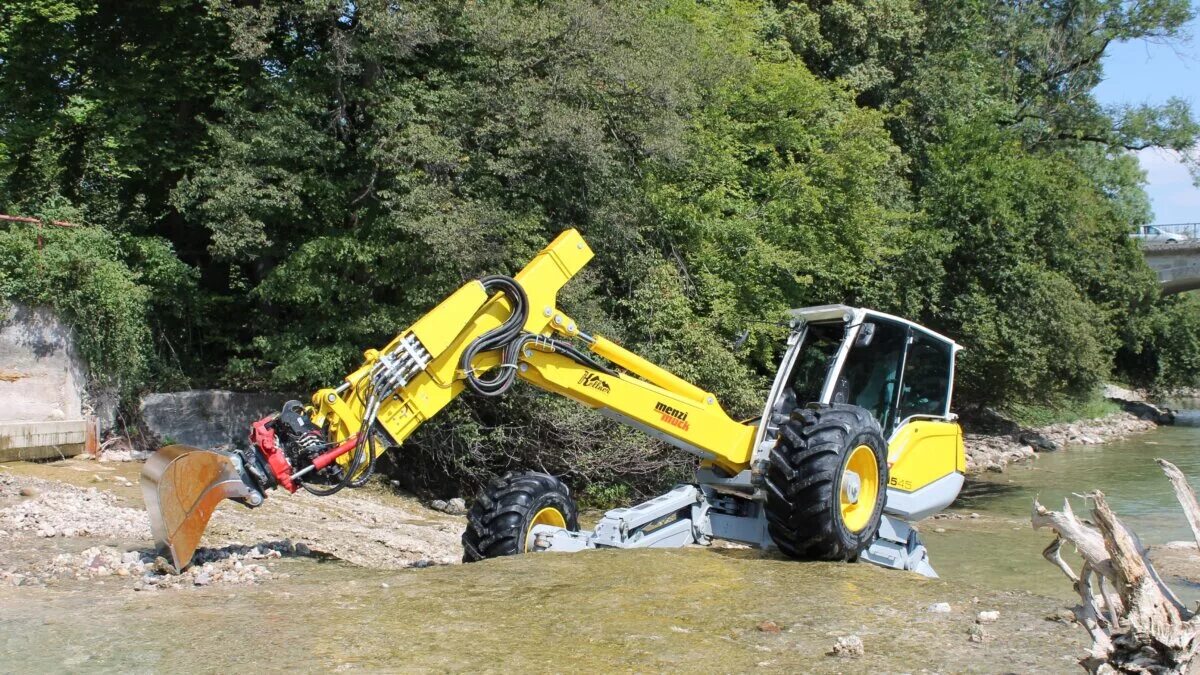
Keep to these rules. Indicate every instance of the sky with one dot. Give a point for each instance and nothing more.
(1140, 72)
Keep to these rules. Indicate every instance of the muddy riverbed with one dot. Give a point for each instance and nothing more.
(369, 581)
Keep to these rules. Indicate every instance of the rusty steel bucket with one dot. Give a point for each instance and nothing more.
(182, 486)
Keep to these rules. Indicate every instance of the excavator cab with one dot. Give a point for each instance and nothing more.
(903, 375)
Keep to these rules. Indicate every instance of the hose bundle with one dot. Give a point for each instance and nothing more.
(505, 336)
(511, 339)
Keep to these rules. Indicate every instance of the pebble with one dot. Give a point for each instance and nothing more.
(850, 645)
(57, 509)
(769, 627)
(988, 616)
(940, 608)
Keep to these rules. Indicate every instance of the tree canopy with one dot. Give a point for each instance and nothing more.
(271, 188)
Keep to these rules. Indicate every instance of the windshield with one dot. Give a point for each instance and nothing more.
(816, 357)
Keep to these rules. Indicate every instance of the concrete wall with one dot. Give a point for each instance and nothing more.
(42, 386)
(206, 418)
(41, 376)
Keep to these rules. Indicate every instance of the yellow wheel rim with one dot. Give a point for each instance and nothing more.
(860, 488)
(547, 516)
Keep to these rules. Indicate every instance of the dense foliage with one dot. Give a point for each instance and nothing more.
(273, 187)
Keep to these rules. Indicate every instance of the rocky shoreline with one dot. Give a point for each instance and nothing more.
(995, 450)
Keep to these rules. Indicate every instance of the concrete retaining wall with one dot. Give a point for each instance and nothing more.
(207, 418)
(42, 386)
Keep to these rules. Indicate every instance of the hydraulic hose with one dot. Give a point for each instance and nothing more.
(510, 339)
(501, 337)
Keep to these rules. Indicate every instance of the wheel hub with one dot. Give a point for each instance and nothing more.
(851, 485)
(860, 488)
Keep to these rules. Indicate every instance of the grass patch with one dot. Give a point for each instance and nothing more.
(1068, 410)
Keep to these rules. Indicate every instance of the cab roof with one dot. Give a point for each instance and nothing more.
(856, 315)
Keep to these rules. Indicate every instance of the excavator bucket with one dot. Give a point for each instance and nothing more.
(182, 486)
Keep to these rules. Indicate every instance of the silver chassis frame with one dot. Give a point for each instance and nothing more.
(699, 513)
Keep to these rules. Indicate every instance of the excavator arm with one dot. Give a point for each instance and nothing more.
(482, 337)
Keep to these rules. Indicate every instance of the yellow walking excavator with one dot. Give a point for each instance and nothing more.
(855, 442)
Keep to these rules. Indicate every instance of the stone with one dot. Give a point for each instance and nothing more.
(988, 616)
(940, 608)
(1039, 442)
(456, 506)
(769, 627)
(438, 505)
(161, 566)
(849, 645)
(29, 492)
(976, 633)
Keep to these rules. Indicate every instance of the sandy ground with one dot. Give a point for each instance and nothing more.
(79, 518)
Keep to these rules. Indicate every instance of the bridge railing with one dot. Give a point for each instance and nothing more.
(1190, 230)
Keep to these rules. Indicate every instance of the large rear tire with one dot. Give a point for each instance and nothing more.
(826, 482)
(507, 508)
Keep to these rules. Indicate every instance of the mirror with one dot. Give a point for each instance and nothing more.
(866, 333)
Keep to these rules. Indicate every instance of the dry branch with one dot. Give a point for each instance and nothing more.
(1136, 623)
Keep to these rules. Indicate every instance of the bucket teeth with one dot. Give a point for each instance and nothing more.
(182, 486)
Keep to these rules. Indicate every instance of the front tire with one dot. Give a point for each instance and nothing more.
(826, 482)
(507, 508)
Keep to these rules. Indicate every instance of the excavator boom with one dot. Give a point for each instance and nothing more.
(482, 337)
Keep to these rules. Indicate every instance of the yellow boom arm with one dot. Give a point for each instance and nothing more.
(644, 395)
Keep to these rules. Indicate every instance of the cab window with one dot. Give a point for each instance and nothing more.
(926, 381)
(871, 373)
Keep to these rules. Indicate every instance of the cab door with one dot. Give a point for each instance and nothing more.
(925, 451)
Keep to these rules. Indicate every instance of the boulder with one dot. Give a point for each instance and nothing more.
(1039, 442)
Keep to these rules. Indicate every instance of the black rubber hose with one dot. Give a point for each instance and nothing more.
(370, 470)
(355, 465)
(501, 337)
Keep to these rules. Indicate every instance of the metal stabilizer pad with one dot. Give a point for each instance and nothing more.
(182, 486)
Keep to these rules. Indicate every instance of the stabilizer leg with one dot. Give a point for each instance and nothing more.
(668, 521)
(899, 547)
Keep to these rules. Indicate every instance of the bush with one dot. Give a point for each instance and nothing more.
(78, 272)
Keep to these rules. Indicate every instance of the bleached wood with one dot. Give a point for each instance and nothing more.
(1136, 623)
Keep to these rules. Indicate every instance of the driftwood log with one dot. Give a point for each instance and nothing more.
(1136, 623)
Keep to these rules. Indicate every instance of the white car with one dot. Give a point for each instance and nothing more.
(1150, 234)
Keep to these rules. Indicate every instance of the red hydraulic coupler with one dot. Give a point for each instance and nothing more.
(262, 438)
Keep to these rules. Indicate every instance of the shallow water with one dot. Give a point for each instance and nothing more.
(683, 610)
(669, 610)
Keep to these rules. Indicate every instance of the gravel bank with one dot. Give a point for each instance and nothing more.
(73, 521)
(994, 452)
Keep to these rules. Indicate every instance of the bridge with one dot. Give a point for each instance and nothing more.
(1178, 263)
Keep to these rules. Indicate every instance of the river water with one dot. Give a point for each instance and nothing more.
(1125, 471)
(696, 610)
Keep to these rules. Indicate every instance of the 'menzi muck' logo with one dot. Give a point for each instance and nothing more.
(677, 418)
(595, 382)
